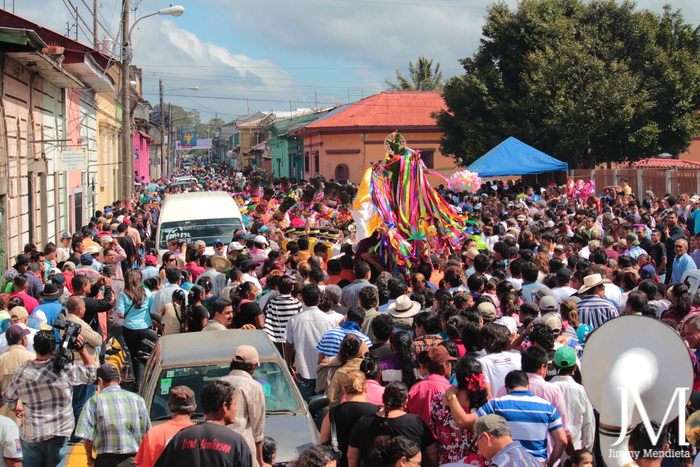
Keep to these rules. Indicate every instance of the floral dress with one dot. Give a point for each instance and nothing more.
(454, 442)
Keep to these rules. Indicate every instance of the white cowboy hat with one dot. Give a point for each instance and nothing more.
(591, 281)
(404, 307)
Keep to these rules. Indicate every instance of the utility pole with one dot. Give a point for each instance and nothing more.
(162, 130)
(96, 25)
(127, 141)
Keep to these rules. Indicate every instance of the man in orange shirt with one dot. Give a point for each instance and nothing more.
(182, 405)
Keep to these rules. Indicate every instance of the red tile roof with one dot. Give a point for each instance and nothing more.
(660, 163)
(386, 109)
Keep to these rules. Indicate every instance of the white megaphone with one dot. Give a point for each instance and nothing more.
(634, 369)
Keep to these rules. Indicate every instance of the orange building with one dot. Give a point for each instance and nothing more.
(344, 143)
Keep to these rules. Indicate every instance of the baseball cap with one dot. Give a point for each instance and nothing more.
(260, 239)
(108, 372)
(19, 312)
(152, 260)
(521, 218)
(650, 193)
(632, 238)
(21, 260)
(608, 240)
(552, 319)
(543, 292)
(472, 253)
(182, 397)
(66, 235)
(565, 357)
(218, 242)
(246, 354)
(487, 311)
(86, 259)
(489, 423)
(563, 275)
(548, 303)
(235, 246)
(647, 272)
(440, 355)
(240, 235)
(15, 333)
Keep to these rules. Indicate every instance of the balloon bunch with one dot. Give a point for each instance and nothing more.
(583, 190)
(465, 181)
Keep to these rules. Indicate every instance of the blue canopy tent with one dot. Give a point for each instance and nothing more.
(513, 157)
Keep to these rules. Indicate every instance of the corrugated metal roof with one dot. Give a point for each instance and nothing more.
(386, 109)
(659, 163)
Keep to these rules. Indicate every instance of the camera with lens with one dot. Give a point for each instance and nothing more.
(69, 342)
(146, 346)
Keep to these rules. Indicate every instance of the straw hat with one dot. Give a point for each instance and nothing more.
(220, 263)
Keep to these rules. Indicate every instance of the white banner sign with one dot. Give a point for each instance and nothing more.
(72, 160)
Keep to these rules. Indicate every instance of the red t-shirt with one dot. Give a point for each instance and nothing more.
(156, 439)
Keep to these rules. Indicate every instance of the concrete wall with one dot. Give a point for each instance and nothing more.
(33, 197)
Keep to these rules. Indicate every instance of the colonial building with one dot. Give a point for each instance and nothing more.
(344, 143)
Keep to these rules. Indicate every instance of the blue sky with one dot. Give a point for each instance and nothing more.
(281, 54)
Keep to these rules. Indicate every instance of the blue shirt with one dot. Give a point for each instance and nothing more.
(528, 289)
(329, 345)
(529, 418)
(514, 454)
(681, 265)
(135, 318)
(695, 216)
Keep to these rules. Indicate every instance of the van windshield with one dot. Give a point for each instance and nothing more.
(279, 396)
(207, 230)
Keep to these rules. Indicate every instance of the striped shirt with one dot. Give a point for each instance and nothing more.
(529, 418)
(115, 420)
(329, 344)
(514, 454)
(595, 311)
(278, 312)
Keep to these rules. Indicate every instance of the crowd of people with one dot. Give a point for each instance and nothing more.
(471, 359)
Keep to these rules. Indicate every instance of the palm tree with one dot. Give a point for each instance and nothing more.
(420, 78)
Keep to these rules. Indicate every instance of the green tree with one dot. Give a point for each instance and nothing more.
(585, 82)
(421, 77)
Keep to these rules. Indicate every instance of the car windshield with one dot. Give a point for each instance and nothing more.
(207, 230)
(279, 396)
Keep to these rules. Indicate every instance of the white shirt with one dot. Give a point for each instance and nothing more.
(613, 292)
(30, 339)
(251, 278)
(563, 293)
(163, 296)
(304, 331)
(579, 411)
(497, 365)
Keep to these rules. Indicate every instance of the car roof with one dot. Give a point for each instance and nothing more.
(214, 346)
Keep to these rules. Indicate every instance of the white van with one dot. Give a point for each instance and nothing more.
(206, 215)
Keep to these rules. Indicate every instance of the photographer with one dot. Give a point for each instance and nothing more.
(93, 341)
(46, 397)
(93, 306)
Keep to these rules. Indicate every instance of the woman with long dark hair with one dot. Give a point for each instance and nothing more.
(681, 304)
(402, 366)
(198, 315)
(246, 312)
(175, 314)
(134, 307)
(393, 421)
(472, 394)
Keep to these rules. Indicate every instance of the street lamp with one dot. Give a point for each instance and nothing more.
(126, 137)
(163, 166)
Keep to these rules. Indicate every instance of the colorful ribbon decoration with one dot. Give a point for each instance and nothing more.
(414, 216)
